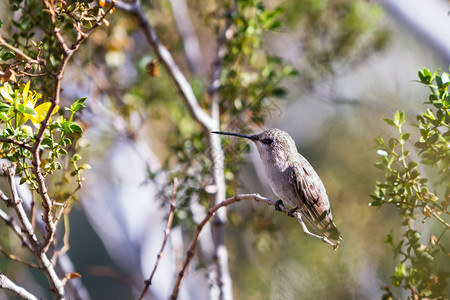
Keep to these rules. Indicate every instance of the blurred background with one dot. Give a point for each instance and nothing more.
(356, 62)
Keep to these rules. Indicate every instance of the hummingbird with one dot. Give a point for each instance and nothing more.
(293, 179)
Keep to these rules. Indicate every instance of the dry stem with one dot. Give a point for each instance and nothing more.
(148, 282)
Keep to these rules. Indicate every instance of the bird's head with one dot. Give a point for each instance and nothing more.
(272, 144)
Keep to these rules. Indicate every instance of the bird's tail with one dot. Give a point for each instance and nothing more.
(324, 224)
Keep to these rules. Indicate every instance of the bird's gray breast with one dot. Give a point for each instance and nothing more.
(281, 183)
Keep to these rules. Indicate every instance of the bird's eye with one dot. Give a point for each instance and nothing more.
(267, 141)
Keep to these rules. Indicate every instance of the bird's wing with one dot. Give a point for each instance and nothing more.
(311, 191)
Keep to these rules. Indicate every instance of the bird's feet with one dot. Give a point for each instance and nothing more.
(277, 205)
(292, 211)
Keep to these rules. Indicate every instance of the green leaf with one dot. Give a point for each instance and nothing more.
(78, 104)
(389, 239)
(425, 76)
(4, 117)
(412, 165)
(402, 118)
(400, 270)
(439, 81)
(375, 203)
(399, 118)
(7, 55)
(71, 127)
(380, 166)
(22, 180)
(279, 92)
(422, 76)
(47, 141)
(446, 101)
(26, 110)
(75, 127)
(406, 136)
(4, 107)
(389, 122)
(67, 141)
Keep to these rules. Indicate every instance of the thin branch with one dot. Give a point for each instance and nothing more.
(18, 259)
(23, 73)
(16, 203)
(17, 51)
(56, 286)
(148, 282)
(7, 284)
(164, 56)
(66, 246)
(211, 212)
(15, 142)
(447, 225)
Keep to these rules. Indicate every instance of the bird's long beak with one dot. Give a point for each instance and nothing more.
(250, 137)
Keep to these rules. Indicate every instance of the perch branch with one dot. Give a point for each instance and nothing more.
(148, 282)
(211, 212)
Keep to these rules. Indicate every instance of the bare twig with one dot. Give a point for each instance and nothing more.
(18, 259)
(7, 284)
(66, 246)
(17, 51)
(148, 282)
(211, 212)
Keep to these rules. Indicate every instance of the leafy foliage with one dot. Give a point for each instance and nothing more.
(409, 192)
